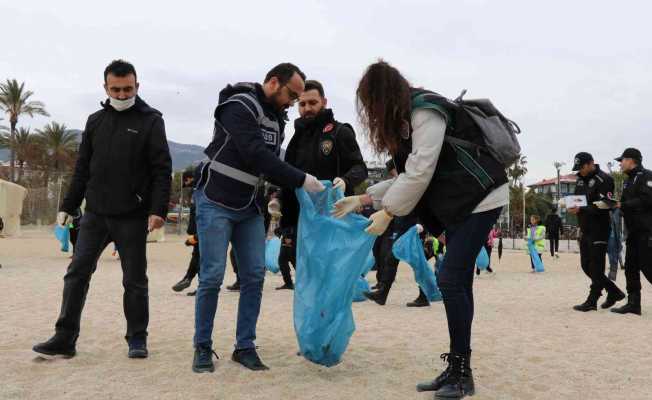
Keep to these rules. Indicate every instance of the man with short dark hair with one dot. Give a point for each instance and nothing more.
(636, 205)
(325, 148)
(244, 153)
(595, 225)
(123, 170)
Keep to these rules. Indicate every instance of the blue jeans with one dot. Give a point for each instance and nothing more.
(463, 243)
(216, 226)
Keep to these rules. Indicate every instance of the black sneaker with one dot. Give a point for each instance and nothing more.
(235, 287)
(193, 293)
(287, 286)
(419, 302)
(203, 359)
(249, 359)
(181, 285)
(58, 345)
(137, 348)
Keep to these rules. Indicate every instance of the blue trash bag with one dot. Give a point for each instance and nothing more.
(331, 255)
(361, 286)
(534, 254)
(482, 261)
(272, 251)
(62, 233)
(408, 248)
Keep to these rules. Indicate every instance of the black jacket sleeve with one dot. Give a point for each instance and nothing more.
(643, 195)
(160, 166)
(604, 189)
(77, 189)
(247, 138)
(353, 166)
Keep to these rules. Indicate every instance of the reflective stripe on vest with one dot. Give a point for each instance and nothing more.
(234, 173)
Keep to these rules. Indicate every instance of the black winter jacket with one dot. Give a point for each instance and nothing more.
(636, 202)
(594, 222)
(124, 166)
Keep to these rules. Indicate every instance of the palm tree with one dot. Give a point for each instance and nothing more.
(24, 145)
(58, 143)
(14, 100)
(517, 171)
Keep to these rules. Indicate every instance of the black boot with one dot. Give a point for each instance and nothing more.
(612, 299)
(459, 382)
(58, 345)
(591, 303)
(633, 305)
(181, 285)
(421, 301)
(379, 296)
(235, 287)
(438, 382)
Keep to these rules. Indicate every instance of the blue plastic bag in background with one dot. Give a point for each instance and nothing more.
(62, 233)
(332, 254)
(409, 249)
(534, 254)
(272, 251)
(482, 261)
(362, 284)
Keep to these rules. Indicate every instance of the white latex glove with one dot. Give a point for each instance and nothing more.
(380, 220)
(419, 228)
(312, 185)
(346, 205)
(63, 218)
(601, 205)
(274, 208)
(339, 183)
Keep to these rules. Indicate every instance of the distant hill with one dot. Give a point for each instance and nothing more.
(182, 154)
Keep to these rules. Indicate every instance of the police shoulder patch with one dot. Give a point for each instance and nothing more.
(591, 182)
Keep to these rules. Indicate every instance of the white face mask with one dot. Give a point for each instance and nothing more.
(121, 105)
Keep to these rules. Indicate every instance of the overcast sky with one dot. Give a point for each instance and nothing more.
(575, 75)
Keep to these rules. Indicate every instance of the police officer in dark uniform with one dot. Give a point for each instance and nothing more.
(595, 225)
(636, 205)
(325, 148)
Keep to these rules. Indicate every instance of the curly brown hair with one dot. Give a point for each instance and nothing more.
(383, 106)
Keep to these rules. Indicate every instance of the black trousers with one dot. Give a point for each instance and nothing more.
(234, 264)
(593, 260)
(463, 242)
(554, 245)
(74, 234)
(193, 266)
(638, 258)
(287, 255)
(130, 234)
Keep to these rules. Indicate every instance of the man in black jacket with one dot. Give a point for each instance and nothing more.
(595, 225)
(325, 148)
(636, 205)
(123, 170)
(553, 229)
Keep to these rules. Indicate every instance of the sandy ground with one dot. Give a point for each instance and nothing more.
(528, 343)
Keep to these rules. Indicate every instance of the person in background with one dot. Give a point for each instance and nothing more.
(636, 206)
(325, 148)
(595, 223)
(536, 233)
(493, 234)
(553, 230)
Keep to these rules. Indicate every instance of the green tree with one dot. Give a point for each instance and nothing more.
(25, 146)
(15, 102)
(517, 171)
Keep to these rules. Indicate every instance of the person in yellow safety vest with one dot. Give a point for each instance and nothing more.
(537, 233)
